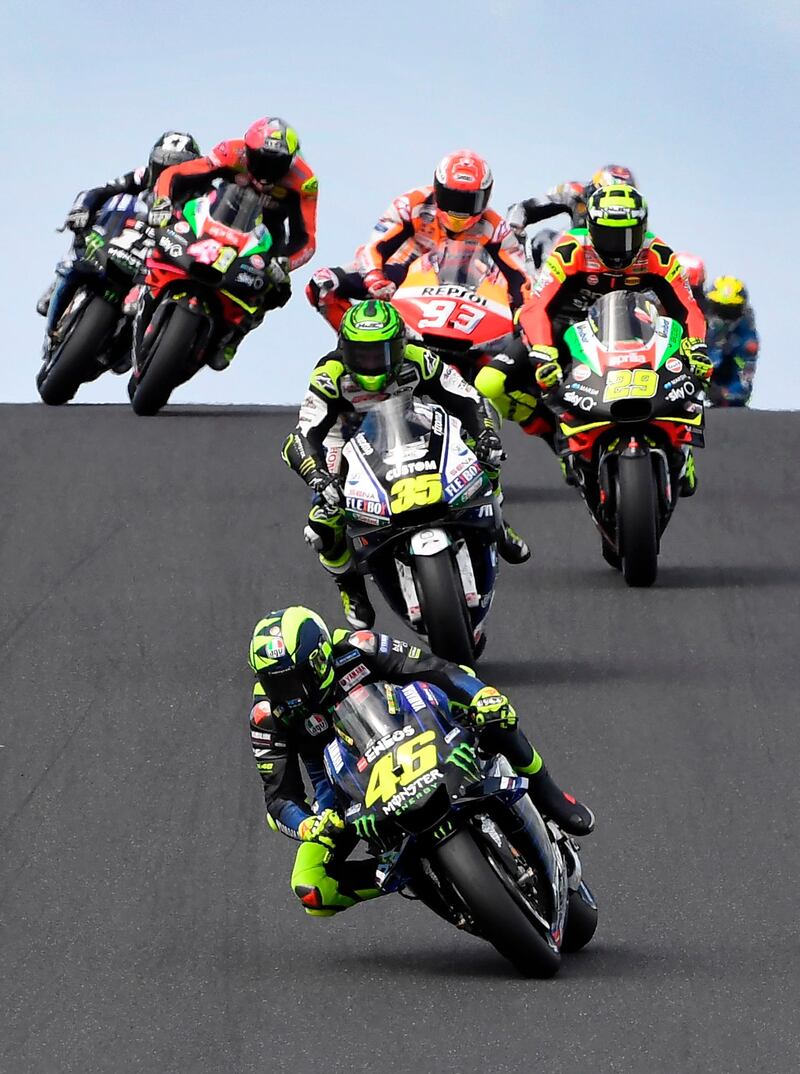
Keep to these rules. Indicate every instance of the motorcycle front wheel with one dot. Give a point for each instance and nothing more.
(636, 520)
(498, 916)
(75, 361)
(444, 608)
(166, 368)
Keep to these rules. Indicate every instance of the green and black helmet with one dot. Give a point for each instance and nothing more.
(372, 340)
(617, 220)
(292, 657)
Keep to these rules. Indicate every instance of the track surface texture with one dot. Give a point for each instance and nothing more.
(147, 921)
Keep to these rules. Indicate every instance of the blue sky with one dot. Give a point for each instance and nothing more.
(698, 98)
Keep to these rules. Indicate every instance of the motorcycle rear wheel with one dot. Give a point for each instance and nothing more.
(496, 913)
(636, 520)
(444, 608)
(166, 368)
(76, 361)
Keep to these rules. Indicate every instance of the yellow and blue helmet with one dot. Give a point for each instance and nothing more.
(727, 298)
(291, 655)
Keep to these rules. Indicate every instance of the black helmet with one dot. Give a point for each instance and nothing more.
(173, 147)
(292, 656)
(271, 146)
(617, 220)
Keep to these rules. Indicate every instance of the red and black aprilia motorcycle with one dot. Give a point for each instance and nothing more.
(210, 271)
(627, 412)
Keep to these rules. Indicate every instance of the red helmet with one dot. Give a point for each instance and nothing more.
(695, 269)
(271, 146)
(609, 175)
(462, 185)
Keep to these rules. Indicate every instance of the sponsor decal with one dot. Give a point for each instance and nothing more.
(417, 789)
(674, 365)
(335, 754)
(681, 391)
(414, 698)
(182, 227)
(257, 261)
(592, 278)
(383, 744)
(460, 481)
(354, 676)
(584, 402)
(275, 648)
(411, 468)
(581, 372)
(316, 724)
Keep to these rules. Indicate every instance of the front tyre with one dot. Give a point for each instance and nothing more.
(166, 368)
(444, 608)
(581, 923)
(497, 915)
(636, 520)
(75, 360)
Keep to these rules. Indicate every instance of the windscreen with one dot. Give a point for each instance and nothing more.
(369, 712)
(237, 207)
(466, 264)
(623, 317)
(398, 428)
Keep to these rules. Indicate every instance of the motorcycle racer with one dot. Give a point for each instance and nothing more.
(419, 222)
(614, 252)
(173, 147)
(268, 159)
(732, 342)
(571, 198)
(372, 362)
(302, 671)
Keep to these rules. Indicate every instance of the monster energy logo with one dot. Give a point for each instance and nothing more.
(94, 242)
(367, 827)
(463, 757)
(443, 830)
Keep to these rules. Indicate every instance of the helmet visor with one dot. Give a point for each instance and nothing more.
(461, 202)
(268, 165)
(617, 246)
(372, 359)
(289, 686)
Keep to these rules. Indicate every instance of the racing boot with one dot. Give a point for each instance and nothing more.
(358, 610)
(688, 476)
(569, 473)
(222, 354)
(43, 305)
(511, 546)
(572, 816)
(319, 892)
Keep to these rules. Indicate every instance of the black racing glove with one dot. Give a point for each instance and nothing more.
(77, 219)
(328, 487)
(488, 448)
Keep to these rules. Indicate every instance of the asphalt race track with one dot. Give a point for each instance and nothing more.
(147, 922)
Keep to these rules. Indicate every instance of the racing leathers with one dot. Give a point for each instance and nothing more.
(284, 738)
(733, 350)
(290, 204)
(80, 217)
(407, 230)
(334, 396)
(570, 281)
